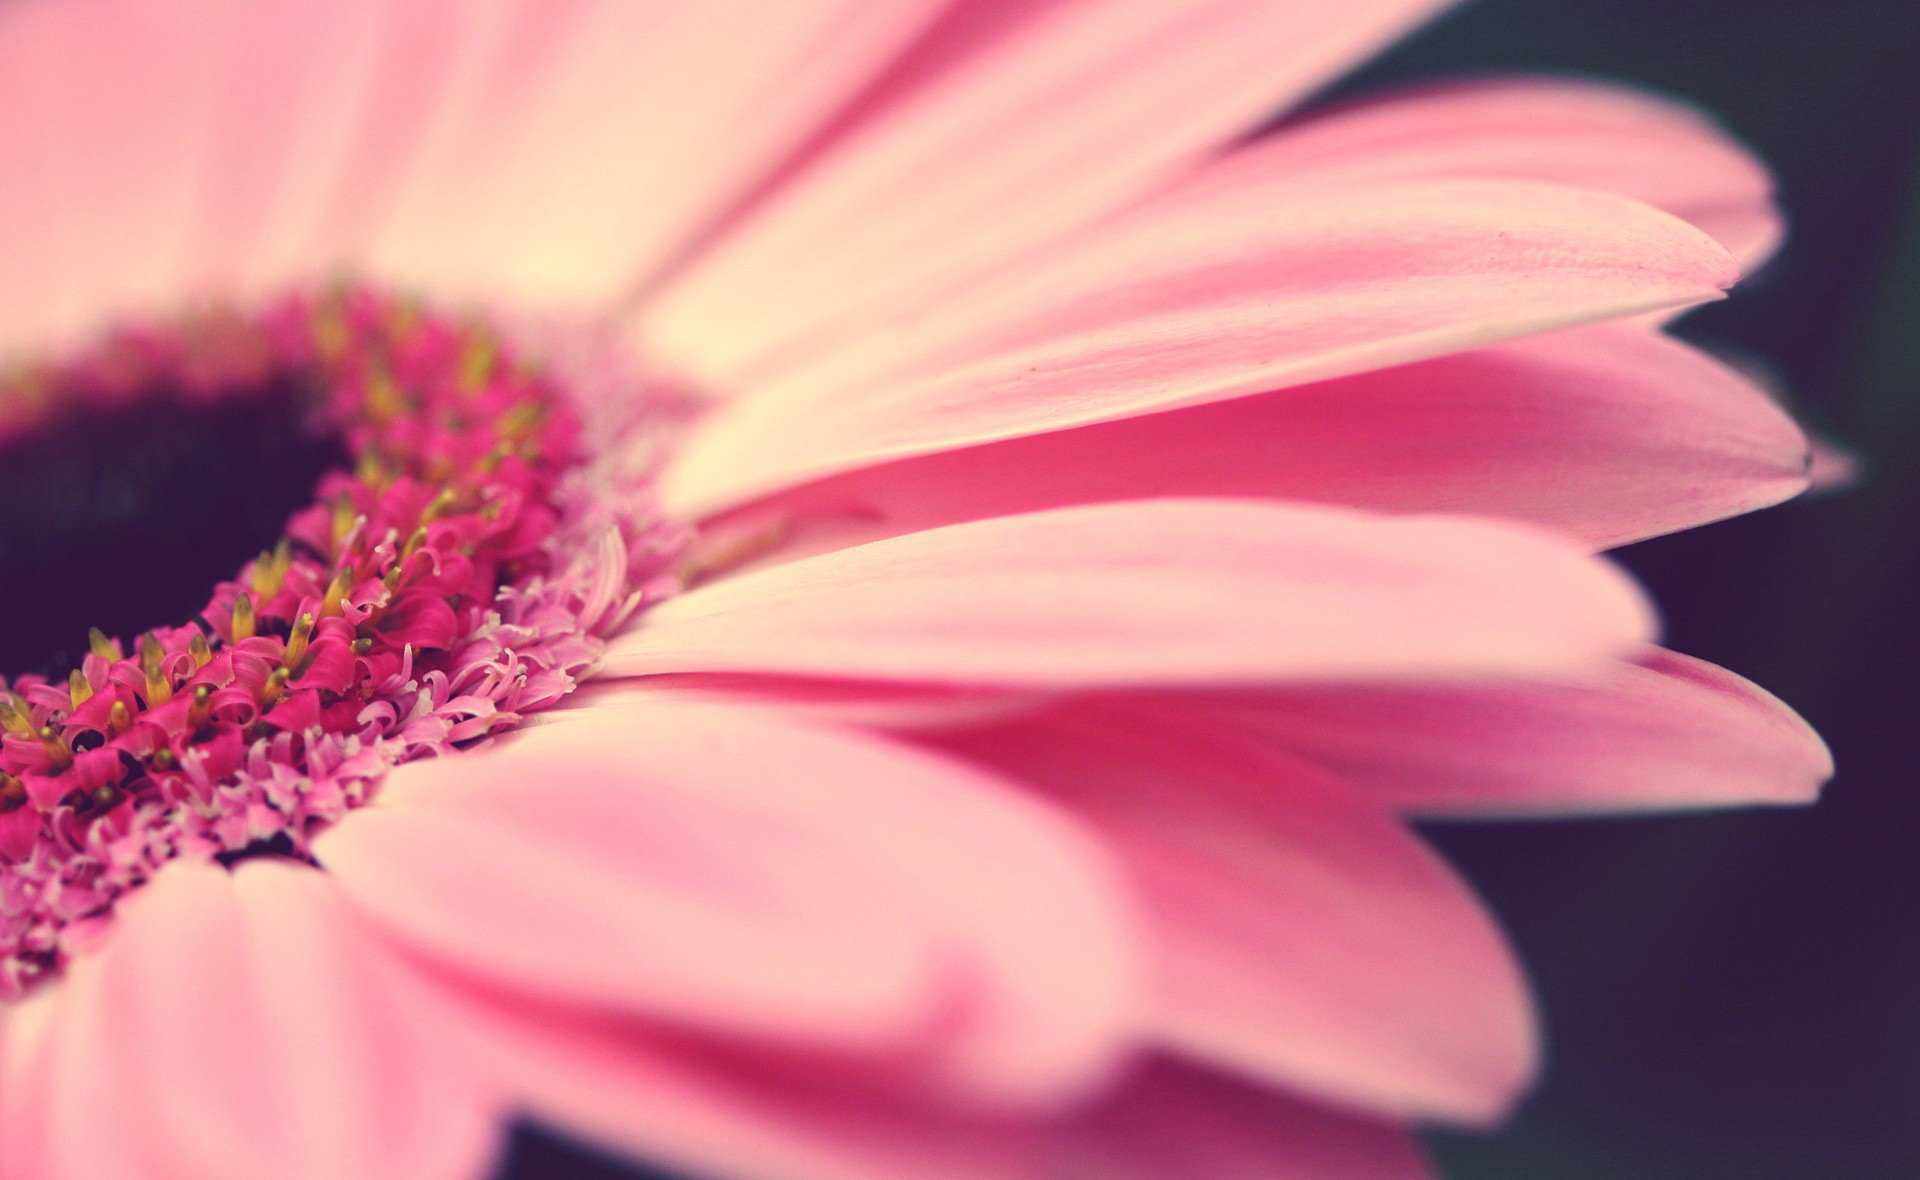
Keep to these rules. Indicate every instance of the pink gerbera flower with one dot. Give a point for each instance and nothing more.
(869, 587)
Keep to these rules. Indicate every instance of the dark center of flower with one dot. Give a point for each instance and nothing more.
(433, 561)
(122, 519)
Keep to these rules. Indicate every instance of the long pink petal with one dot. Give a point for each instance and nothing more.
(1301, 934)
(1608, 434)
(613, 129)
(1662, 732)
(104, 126)
(240, 1026)
(1157, 591)
(1248, 292)
(707, 1111)
(1656, 150)
(1014, 123)
(1176, 1122)
(729, 869)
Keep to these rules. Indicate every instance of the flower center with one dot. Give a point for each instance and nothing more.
(451, 558)
(121, 518)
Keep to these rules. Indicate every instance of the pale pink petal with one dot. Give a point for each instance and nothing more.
(863, 704)
(1663, 732)
(730, 869)
(707, 1111)
(404, 74)
(1157, 591)
(1607, 433)
(1016, 122)
(240, 1026)
(287, 78)
(1301, 934)
(612, 130)
(51, 1090)
(104, 124)
(1656, 150)
(1178, 1123)
(1249, 292)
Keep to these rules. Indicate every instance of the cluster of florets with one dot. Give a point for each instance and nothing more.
(447, 584)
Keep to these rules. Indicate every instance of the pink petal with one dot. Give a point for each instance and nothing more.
(1607, 433)
(1012, 124)
(103, 115)
(1302, 935)
(601, 134)
(240, 1026)
(1665, 731)
(1156, 591)
(1250, 291)
(1176, 1122)
(688, 1107)
(286, 84)
(1669, 155)
(728, 868)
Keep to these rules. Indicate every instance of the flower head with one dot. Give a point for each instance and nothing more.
(866, 588)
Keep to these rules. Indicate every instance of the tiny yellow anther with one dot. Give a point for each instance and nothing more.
(201, 708)
(200, 651)
(334, 601)
(298, 640)
(78, 690)
(56, 747)
(14, 717)
(241, 626)
(152, 655)
(270, 570)
(100, 645)
(345, 515)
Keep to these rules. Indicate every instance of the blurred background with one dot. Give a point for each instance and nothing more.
(1735, 996)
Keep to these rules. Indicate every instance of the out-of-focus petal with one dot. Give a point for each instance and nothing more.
(1640, 145)
(1608, 434)
(602, 134)
(730, 869)
(1218, 299)
(1176, 1122)
(1013, 123)
(103, 123)
(1301, 934)
(237, 1026)
(1662, 732)
(697, 1107)
(1157, 591)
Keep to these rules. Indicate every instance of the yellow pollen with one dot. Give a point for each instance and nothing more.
(159, 688)
(385, 402)
(78, 690)
(477, 360)
(240, 626)
(345, 516)
(520, 421)
(118, 718)
(14, 717)
(334, 601)
(200, 651)
(437, 506)
(100, 645)
(297, 641)
(56, 747)
(270, 570)
(275, 687)
(201, 708)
